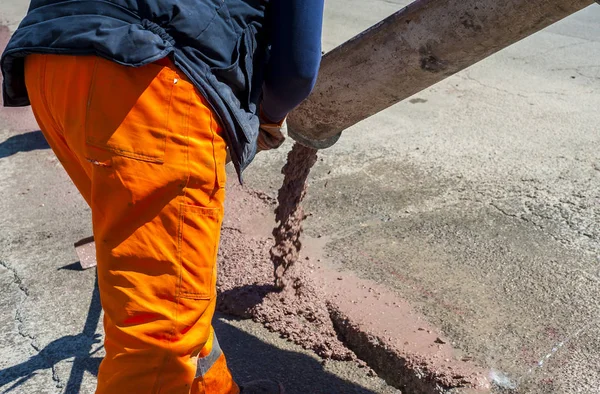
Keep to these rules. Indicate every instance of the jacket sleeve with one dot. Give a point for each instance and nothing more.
(291, 73)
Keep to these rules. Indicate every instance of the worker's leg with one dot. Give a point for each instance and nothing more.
(147, 154)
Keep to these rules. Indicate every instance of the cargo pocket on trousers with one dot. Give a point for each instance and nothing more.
(128, 111)
(199, 231)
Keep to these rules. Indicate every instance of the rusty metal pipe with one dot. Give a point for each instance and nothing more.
(413, 49)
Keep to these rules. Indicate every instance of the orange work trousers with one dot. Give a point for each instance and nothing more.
(147, 154)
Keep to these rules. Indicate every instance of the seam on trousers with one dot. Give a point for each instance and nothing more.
(180, 208)
(44, 98)
(180, 219)
(180, 214)
(157, 387)
(91, 91)
(157, 384)
(216, 186)
(187, 145)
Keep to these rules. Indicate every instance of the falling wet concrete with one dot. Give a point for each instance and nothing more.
(335, 314)
(289, 214)
(286, 301)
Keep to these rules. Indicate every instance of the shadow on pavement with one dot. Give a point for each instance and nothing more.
(248, 357)
(56, 351)
(78, 347)
(76, 266)
(25, 142)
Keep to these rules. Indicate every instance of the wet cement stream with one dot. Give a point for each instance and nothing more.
(283, 299)
(290, 214)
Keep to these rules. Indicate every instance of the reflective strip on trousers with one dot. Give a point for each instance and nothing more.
(205, 363)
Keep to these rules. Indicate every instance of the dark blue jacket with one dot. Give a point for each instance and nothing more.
(219, 44)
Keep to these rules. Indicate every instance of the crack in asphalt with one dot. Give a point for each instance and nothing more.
(570, 225)
(526, 220)
(571, 217)
(18, 316)
(577, 70)
(17, 278)
(466, 76)
(21, 323)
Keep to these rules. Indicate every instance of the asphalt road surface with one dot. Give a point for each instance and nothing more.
(478, 200)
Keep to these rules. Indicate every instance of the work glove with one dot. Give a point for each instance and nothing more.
(270, 135)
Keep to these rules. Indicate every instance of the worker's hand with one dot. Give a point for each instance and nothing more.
(270, 134)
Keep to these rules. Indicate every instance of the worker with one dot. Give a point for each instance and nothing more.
(140, 101)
